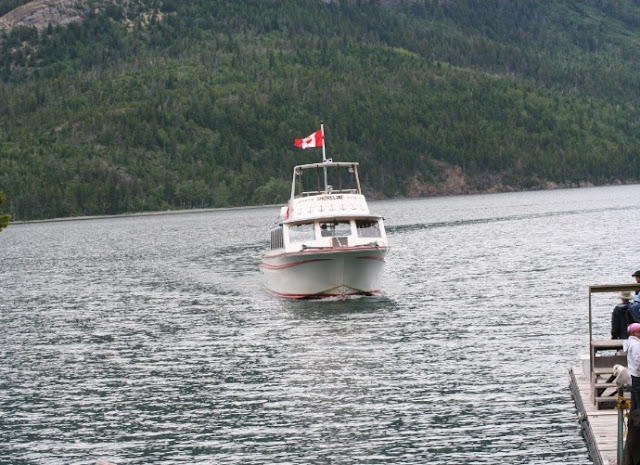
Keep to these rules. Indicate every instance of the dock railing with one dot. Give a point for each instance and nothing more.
(597, 288)
(605, 353)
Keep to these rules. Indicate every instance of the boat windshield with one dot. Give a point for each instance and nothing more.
(368, 228)
(340, 180)
(335, 228)
(301, 232)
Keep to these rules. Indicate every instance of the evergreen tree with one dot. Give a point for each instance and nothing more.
(4, 218)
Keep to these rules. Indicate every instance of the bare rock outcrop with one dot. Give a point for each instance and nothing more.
(41, 13)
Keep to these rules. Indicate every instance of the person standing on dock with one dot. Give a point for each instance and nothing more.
(621, 317)
(636, 275)
(632, 348)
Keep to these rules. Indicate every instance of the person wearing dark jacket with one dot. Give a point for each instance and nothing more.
(636, 275)
(621, 316)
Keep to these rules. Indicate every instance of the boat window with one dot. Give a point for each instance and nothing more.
(276, 238)
(368, 228)
(301, 232)
(335, 228)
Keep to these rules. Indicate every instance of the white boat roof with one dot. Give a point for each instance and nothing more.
(331, 218)
(326, 163)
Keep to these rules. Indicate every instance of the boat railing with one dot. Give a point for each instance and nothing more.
(328, 176)
(327, 192)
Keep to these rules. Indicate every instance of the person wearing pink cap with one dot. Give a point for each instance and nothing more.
(632, 348)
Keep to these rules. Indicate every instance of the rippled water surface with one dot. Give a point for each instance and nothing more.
(149, 339)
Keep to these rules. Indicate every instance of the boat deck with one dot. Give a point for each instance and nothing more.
(600, 426)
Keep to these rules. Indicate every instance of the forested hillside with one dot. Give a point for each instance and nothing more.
(152, 105)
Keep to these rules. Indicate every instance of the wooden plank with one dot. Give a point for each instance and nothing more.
(600, 426)
(614, 287)
(607, 344)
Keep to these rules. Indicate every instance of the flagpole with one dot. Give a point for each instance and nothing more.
(324, 154)
(324, 158)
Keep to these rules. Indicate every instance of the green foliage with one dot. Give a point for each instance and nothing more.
(151, 106)
(275, 191)
(4, 218)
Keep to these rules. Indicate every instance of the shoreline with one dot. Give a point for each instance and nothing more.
(369, 196)
(136, 214)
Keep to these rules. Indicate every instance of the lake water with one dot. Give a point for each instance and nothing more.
(149, 339)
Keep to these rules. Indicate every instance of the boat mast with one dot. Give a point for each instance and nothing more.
(324, 154)
(324, 158)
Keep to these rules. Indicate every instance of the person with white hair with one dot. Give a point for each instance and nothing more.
(632, 348)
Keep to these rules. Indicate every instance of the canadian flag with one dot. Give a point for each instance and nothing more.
(313, 140)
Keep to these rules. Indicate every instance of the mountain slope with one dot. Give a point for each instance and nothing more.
(146, 105)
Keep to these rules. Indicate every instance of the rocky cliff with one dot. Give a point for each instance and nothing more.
(41, 13)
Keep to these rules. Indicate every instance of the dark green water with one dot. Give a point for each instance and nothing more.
(149, 340)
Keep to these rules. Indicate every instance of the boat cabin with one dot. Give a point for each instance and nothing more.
(326, 209)
(326, 233)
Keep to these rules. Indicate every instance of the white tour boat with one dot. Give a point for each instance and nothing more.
(326, 243)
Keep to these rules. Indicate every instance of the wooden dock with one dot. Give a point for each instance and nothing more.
(595, 390)
(600, 426)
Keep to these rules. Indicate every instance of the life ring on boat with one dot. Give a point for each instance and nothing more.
(286, 215)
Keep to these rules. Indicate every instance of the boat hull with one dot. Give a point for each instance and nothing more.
(320, 273)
